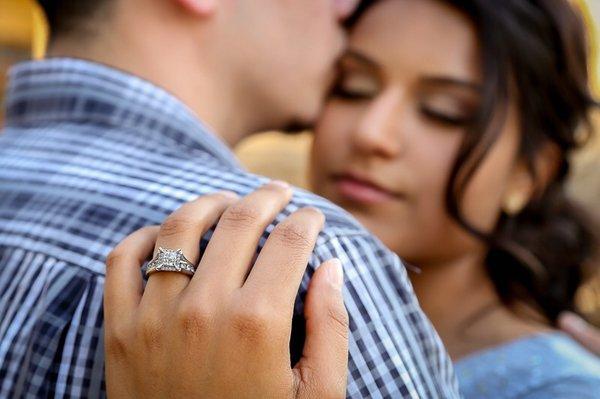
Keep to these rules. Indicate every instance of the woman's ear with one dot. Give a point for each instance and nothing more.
(198, 7)
(524, 184)
(519, 190)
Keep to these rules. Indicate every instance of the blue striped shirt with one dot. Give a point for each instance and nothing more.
(88, 155)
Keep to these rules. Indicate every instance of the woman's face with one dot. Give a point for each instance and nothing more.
(390, 133)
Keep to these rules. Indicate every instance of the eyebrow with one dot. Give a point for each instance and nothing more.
(361, 58)
(365, 60)
(449, 81)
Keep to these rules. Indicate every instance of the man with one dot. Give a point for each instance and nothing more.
(96, 146)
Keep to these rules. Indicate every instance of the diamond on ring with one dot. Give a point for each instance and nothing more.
(170, 260)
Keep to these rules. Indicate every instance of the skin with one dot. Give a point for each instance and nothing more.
(222, 63)
(250, 320)
(217, 57)
(578, 328)
(410, 77)
(225, 332)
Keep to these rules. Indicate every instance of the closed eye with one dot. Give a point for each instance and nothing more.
(445, 118)
(341, 92)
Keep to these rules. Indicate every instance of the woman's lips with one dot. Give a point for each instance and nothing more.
(361, 191)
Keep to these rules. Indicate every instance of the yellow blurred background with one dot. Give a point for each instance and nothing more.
(23, 34)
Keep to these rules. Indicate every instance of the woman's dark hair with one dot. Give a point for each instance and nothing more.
(534, 52)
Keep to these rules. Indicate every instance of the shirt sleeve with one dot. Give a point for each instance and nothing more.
(50, 328)
(580, 387)
(393, 349)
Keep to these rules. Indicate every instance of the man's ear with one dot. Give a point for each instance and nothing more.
(198, 7)
(523, 186)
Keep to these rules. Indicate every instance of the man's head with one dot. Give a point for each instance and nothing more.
(265, 63)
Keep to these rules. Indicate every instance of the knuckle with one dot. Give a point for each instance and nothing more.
(294, 233)
(116, 343)
(148, 230)
(241, 215)
(196, 321)
(251, 324)
(151, 332)
(176, 224)
(329, 390)
(116, 257)
(210, 202)
(319, 383)
(338, 320)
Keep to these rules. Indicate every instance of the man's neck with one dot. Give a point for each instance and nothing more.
(209, 95)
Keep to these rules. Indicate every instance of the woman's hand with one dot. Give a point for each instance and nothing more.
(586, 334)
(224, 333)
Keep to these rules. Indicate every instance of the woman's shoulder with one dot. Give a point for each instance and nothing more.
(543, 365)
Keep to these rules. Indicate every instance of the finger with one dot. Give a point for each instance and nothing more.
(183, 229)
(232, 247)
(579, 329)
(324, 363)
(124, 285)
(345, 8)
(282, 262)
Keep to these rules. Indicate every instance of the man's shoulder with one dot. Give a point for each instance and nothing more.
(342, 236)
(116, 167)
(338, 220)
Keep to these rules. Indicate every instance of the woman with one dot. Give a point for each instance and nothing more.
(452, 123)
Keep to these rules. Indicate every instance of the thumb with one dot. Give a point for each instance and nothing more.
(579, 329)
(322, 370)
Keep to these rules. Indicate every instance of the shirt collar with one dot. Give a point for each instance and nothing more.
(74, 90)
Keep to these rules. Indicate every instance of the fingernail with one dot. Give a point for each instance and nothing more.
(345, 7)
(335, 273)
(229, 194)
(342, 6)
(280, 184)
(573, 321)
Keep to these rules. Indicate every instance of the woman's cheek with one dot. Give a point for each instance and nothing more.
(436, 233)
(485, 192)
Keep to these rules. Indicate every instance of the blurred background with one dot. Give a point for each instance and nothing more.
(23, 35)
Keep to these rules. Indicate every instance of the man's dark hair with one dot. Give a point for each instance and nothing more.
(69, 16)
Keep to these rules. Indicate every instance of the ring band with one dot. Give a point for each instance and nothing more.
(170, 260)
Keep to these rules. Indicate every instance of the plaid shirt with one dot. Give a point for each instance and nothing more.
(90, 154)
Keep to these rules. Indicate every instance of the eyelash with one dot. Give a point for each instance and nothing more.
(339, 92)
(444, 119)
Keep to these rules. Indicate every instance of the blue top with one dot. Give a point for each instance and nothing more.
(549, 365)
(88, 155)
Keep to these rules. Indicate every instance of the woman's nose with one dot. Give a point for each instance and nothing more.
(378, 131)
